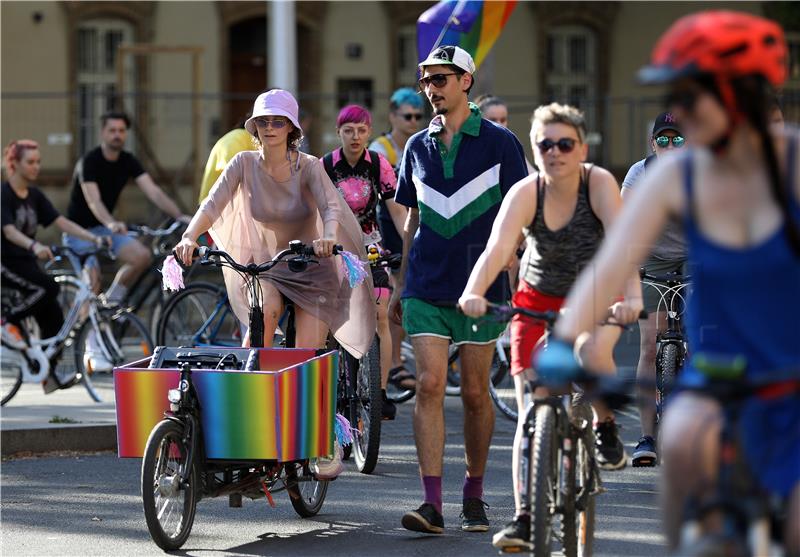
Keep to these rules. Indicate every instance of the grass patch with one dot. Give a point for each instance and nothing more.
(62, 420)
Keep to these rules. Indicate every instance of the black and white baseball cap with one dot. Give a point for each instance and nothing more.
(450, 55)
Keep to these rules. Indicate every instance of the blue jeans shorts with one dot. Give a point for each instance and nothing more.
(118, 241)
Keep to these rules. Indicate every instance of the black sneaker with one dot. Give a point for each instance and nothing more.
(425, 519)
(388, 409)
(473, 515)
(515, 537)
(645, 452)
(609, 450)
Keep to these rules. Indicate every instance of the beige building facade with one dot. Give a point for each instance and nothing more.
(61, 68)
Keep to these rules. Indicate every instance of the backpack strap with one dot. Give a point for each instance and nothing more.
(327, 162)
(391, 153)
(375, 172)
(648, 161)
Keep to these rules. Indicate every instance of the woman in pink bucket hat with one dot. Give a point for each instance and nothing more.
(266, 198)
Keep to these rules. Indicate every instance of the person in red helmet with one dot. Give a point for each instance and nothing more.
(737, 189)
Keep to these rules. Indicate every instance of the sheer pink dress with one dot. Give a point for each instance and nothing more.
(255, 216)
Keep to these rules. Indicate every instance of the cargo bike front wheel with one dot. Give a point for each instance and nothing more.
(169, 503)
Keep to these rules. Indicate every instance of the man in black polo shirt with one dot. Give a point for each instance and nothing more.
(97, 182)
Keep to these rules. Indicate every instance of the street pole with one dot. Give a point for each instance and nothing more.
(282, 46)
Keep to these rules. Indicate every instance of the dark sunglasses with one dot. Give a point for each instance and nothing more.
(565, 145)
(276, 124)
(411, 116)
(438, 80)
(664, 140)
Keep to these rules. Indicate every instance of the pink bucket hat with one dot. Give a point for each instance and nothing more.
(275, 102)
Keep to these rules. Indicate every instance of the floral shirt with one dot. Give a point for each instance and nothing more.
(355, 183)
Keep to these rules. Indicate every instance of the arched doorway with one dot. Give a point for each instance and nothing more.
(247, 67)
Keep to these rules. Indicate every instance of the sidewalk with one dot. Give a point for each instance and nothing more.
(64, 420)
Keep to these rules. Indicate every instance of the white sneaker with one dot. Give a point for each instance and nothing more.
(93, 359)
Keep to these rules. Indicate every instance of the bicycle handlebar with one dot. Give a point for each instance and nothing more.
(505, 313)
(302, 254)
(144, 230)
(670, 279)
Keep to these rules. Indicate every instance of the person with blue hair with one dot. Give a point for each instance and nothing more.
(405, 116)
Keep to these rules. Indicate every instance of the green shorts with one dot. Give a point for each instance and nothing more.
(421, 318)
(650, 295)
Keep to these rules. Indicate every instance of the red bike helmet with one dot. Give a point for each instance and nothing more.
(723, 44)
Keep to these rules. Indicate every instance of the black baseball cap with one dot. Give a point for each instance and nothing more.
(665, 121)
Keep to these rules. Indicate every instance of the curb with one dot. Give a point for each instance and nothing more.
(64, 438)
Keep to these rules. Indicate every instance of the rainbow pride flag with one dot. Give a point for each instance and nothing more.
(474, 25)
(284, 412)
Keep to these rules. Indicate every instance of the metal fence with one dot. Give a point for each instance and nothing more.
(66, 125)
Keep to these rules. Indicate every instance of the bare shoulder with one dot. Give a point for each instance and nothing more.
(602, 185)
(666, 179)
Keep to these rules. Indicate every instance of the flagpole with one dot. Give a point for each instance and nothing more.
(450, 20)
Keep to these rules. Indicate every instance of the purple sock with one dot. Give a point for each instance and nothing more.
(432, 485)
(473, 487)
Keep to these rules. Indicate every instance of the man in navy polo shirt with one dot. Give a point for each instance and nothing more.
(452, 178)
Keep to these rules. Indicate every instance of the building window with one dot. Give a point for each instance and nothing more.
(406, 71)
(98, 41)
(571, 75)
(354, 91)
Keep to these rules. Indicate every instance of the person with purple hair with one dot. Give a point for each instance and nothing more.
(364, 178)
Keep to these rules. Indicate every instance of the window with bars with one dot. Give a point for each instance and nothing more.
(97, 46)
(570, 63)
(406, 71)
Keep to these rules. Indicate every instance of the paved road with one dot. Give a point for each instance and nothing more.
(90, 504)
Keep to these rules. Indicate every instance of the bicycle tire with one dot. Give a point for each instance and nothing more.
(124, 347)
(165, 447)
(542, 482)
(398, 394)
(579, 515)
(306, 496)
(453, 383)
(10, 373)
(666, 371)
(367, 413)
(187, 311)
(502, 389)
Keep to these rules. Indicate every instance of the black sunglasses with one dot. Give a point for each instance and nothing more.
(438, 80)
(664, 140)
(411, 116)
(565, 145)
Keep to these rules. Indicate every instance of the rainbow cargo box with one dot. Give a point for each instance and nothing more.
(284, 411)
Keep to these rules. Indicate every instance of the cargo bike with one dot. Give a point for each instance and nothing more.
(241, 422)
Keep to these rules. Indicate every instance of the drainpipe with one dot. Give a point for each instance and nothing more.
(282, 46)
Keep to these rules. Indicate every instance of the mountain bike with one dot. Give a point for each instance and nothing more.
(558, 474)
(671, 348)
(118, 335)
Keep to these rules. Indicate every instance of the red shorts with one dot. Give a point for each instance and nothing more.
(526, 332)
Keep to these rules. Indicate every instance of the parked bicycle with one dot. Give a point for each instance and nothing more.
(118, 335)
(671, 348)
